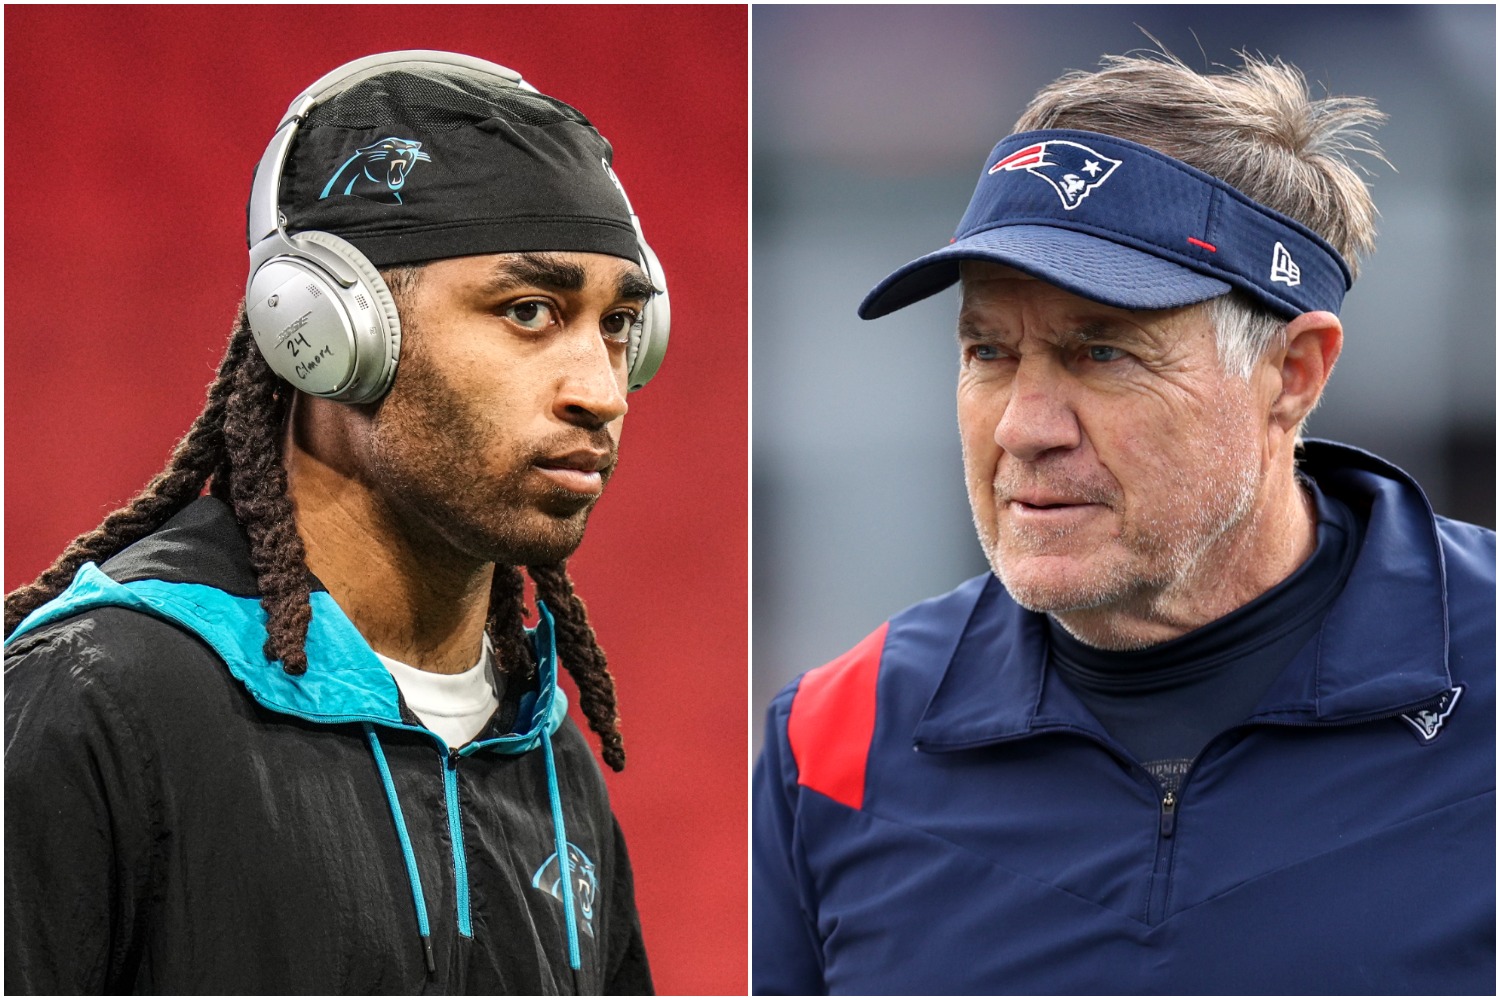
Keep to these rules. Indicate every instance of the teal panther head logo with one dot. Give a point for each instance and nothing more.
(377, 172)
(583, 876)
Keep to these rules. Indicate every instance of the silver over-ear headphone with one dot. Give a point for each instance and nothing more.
(320, 313)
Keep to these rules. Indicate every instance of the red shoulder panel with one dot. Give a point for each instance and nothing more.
(833, 719)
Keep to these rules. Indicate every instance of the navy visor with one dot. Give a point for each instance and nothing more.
(1122, 224)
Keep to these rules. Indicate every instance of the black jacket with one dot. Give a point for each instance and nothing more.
(184, 817)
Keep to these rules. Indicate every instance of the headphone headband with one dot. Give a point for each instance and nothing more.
(321, 313)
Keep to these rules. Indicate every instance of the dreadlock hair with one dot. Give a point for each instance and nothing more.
(577, 646)
(234, 448)
(583, 658)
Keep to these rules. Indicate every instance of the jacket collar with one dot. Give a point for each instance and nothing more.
(1382, 648)
(344, 682)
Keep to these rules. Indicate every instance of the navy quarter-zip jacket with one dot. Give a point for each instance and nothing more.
(935, 812)
(183, 817)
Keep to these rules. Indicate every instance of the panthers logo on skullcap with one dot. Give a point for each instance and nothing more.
(1073, 169)
(377, 172)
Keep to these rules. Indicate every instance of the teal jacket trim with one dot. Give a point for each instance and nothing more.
(344, 682)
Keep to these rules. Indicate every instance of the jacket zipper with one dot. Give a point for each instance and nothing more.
(1156, 903)
(1166, 817)
(1168, 803)
(1166, 826)
(456, 837)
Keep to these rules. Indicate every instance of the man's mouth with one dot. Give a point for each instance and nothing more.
(1046, 508)
(581, 471)
(1046, 501)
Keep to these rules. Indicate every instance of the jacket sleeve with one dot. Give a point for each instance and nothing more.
(76, 830)
(785, 954)
(629, 972)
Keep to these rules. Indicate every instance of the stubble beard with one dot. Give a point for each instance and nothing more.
(1157, 555)
(432, 455)
(502, 519)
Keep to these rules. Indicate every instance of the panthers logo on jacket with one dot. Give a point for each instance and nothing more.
(584, 878)
(377, 171)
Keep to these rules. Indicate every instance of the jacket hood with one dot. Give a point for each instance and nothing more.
(166, 576)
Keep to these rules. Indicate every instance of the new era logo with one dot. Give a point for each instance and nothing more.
(1428, 721)
(1283, 268)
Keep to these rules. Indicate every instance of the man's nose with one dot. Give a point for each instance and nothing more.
(591, 392)
(1039, 414)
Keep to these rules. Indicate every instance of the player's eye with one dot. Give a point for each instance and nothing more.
(617, 325)
(529, 315)
(1103, 353)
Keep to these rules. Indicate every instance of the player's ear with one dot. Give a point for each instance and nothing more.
(1312, 345)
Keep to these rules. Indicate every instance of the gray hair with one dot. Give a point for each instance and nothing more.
(1255, 128)
(1245, 330)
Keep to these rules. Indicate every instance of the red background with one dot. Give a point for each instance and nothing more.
(131, 133)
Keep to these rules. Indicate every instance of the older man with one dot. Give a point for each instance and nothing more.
(1222, 719)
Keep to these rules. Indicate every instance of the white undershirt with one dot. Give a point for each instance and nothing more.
(455, 706)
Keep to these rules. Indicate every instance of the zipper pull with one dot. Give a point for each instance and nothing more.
(1168, 814)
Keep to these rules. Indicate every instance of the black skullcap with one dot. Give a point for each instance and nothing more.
(418, 164)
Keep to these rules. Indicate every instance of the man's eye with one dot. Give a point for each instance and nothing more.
(1101, 353)
(617, 325)
(529, 315)
(984, 352)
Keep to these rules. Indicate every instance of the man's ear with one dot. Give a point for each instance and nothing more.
(1313, 343)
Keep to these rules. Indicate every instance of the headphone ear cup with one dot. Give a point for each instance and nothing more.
(379, 353)
(323, 317)
(648, 345)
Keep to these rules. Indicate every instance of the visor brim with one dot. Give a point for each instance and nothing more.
(1089, 266)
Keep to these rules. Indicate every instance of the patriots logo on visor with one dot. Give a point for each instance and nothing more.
(1073, 169)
